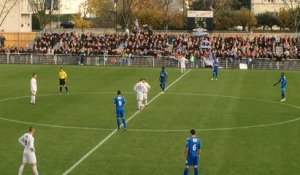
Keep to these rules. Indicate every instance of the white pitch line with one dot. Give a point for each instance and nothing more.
(217, 129)
(161, 130)
(55, 126)
(115, 131)
(76, 93)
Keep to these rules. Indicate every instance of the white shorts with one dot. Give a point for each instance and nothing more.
(145, 96)
(139, 96)
(33, 92)
(182, 66)
(29, 157)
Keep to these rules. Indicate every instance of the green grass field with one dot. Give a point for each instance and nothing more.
(243, 127)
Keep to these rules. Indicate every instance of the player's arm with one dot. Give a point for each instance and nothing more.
(277, 82)
(21, 140)
(66, 76)
(186, 150)
(166, 76)
(199, 152)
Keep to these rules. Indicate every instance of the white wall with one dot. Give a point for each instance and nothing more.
(19, 18)
(70, 6)
(261, 6)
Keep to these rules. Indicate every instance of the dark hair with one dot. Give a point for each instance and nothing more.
(193, 131)
(33, 74)
(30, 128)
(119, 92)
(163, 68)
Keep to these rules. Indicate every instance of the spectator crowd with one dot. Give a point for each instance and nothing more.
(162, 44)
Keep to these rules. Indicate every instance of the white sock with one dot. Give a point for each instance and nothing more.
(139, 104)
(35, 171)
(21, 169)
(31, 101)
(146, 102)
(33, 98)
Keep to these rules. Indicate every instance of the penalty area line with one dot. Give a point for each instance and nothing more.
(115, 130)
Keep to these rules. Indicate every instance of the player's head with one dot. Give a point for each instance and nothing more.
(163, 68)
(61, 68)
(141, 79)
(119, 92)
(282, 74)
(193, 131)
(31, 129)
(34, 75)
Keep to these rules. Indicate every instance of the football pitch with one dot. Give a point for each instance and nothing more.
(243, 126)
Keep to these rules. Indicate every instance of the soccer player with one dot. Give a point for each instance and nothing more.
(282, 81)
(119, 101)
(182, 60)
(33, 88)
(163, 79)
(29, 157)
(147, 89)
(192, 153)
(140, 89)
(215, 66)
(62, 75)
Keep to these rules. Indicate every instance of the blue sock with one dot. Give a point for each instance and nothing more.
(282, 94)
(124, 122)
(186, 171)
(196, 171)
(118, 122)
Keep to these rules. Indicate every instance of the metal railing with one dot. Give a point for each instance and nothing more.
(141, 61)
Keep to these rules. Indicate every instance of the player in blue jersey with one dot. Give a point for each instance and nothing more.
(192, 153)
(119, 101)
(282, 81)
(163, 79)
(215, 66)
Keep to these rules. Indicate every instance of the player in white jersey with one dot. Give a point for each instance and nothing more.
(33, 88)
(29, 157)
(182, 61)
(147, 89)
(139, 88)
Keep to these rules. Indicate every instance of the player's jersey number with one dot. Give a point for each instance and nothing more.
(120, 103)
(194, 147)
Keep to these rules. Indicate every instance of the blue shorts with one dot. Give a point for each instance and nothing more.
(192, 160)
(120, 113)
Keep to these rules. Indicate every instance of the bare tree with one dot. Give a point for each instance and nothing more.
(5, 9)
(44, 9)
(126, 12)
(293, 7)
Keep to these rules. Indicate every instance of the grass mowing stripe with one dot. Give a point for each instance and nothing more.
(115, 131)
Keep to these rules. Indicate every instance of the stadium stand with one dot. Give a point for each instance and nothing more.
(161, 44)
